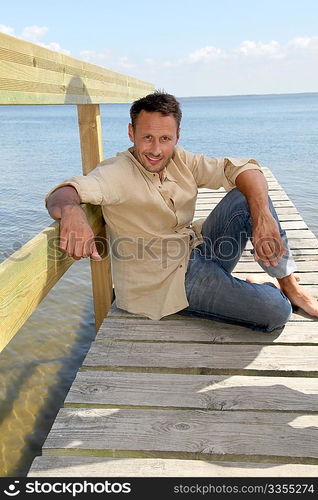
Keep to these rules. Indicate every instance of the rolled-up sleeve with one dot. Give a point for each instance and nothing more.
(93, 188)
(214, 173)
(235, 166)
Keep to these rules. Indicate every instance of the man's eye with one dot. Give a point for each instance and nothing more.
(165, 138)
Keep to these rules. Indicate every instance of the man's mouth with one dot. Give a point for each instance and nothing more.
(153, 159)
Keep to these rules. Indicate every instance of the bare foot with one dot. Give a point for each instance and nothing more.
(298, 296)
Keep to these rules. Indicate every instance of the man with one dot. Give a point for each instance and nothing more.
(162, 261)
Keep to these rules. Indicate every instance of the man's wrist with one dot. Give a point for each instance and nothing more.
(260, 213)
(259, 208)
(69, 208)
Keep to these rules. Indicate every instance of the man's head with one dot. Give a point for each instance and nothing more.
(155, 129)
(157, 102)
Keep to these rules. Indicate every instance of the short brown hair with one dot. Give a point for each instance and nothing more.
(159, 102)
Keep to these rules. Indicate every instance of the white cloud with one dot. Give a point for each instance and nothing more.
(55, 46)
(34, 33)
(96, 57)
(304, 43)
(251, 50)
(259, 49)
(6, 29)
(252, 67)
(205, 54)
(108, 59)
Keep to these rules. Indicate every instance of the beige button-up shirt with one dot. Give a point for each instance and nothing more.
(150, 222)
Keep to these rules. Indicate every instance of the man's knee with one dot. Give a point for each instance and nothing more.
(238, 199)
(279, 313)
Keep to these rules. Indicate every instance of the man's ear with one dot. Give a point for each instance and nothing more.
(178, 134)
(131, 132)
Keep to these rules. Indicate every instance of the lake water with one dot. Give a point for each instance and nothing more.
(39, 148)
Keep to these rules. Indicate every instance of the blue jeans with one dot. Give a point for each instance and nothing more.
(213, 292)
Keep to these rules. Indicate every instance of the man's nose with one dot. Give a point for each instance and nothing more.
(155, 148)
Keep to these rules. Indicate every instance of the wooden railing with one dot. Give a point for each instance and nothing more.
(30, 74)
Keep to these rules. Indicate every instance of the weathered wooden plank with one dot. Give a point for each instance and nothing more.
(296, 243)
(208, 205)
(300, 316)
(76, 466)
(302, 267)
(207, 392)
(273, 437)
(299, 254)
(31, 74)
(116, 312)
(293, 224)
(273, 185)
(204, 359)
(216, 195)
(203, 330)
(282, 217)
(280, 211)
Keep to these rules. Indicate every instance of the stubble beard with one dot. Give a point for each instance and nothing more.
(149, 168)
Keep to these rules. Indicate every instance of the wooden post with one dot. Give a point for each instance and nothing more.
(92, 153)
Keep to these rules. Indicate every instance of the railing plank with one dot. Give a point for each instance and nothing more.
(29, 274)
(31, 74)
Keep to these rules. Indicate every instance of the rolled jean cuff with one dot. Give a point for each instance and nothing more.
(286, 265)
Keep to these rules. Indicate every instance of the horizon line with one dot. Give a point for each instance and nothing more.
(247, 95)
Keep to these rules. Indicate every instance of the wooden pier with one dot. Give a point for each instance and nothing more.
(193, 397)
(176, 397)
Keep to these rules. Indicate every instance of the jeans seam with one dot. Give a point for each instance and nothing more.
(236, 214)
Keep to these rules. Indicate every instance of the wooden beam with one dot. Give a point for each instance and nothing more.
(31, 74)
(92, 153)
(29, 274)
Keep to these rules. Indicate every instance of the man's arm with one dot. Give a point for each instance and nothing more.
(268, 245)
(76, 235)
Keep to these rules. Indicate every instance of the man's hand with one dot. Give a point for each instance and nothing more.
(76, 235)
(267, 242)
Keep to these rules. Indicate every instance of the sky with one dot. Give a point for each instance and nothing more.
(185, 47)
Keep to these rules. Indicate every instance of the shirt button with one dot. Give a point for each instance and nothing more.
(180, 265)
(159, 187)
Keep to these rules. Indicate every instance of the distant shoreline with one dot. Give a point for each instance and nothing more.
(249, 95)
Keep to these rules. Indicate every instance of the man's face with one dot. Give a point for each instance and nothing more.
(154, 138)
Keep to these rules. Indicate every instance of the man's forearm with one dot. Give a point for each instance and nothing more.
(61, 198)
(253, 185)
(267, 242)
